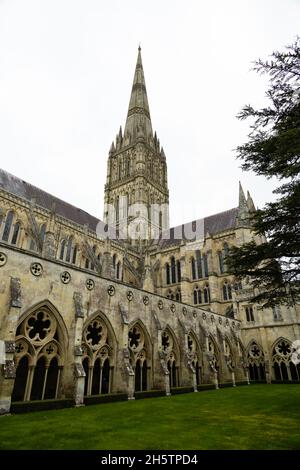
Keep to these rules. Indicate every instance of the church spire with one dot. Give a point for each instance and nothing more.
(138, 122)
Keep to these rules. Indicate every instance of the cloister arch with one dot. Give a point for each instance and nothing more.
(41, 341)
(140, 347)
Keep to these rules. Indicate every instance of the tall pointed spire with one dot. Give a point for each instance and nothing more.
(138, 122)
(242, 198)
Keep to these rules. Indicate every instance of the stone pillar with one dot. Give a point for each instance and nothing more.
(8, 333)
(79, 373)
(129, 372)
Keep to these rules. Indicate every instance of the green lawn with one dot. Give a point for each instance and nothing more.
(246, 417)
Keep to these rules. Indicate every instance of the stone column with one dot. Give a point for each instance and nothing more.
(79, 373)
(129, 372)
(8, 370)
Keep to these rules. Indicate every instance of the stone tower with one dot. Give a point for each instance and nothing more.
(136, 199)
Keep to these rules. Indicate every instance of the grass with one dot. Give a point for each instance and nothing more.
(248, 417)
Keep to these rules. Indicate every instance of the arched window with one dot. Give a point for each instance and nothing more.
(74, 256)
(87, 263)
(249, 313)
(173, 270)
(62, 249)
(97, 357)
(69, 249)
(7, 226)
(193, 268)
(195, 295)
(167, 273)
(114, 260)
(178, 271)
(221, 262)
(178, 295)
(118, 272)
(140, 355)
(199, 264)
(227, 291)
(256, 362)
(206, 294)
(38, 356)
(15, 233)
(284, 368)
(205, 264)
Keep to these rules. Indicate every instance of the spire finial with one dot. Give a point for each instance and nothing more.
(139, 48)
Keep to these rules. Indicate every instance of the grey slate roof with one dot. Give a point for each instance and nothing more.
(213, 224)
(24, 190)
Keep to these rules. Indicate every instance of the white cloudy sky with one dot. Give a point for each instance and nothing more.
(66, 69)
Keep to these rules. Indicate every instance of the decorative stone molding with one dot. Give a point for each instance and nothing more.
(78, 351)
(36, 269)
(146, 299)
(156, 320)
(111, 290)
(65, 277)
(15, 292)
(3, 259)
(160, 304)
(9, 369)
(90, 284)
(9, 346)
(79, 371)
(124, 316)
(77, 296)
(130, 295)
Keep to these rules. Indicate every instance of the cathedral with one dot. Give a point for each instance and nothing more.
(129, 305)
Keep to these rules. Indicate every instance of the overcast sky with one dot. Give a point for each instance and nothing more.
(66, 70)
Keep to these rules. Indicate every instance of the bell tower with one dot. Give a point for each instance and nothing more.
(136, 198)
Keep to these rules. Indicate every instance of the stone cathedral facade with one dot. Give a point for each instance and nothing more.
(129, 304)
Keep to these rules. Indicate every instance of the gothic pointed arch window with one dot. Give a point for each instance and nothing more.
(118, 270)
(171, 351)
(15, 234)
(69, 249)
(256, 362)
(173, 270)
(39, 356)
(139, 348)
(206, 294)
(98, 356)
(197, 295)
(205, 265)
(178, 266)
(62, 249)
(74, 254)
(167, 273)
(178, 295)
(221, 262)
(227, 291)
(284, 368)
(7, 226)
(193, 265)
